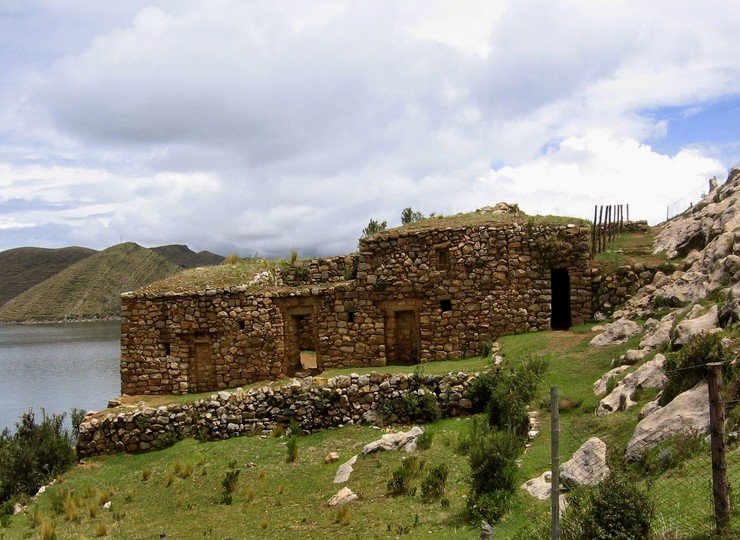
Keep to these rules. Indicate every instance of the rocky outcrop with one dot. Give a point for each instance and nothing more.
(695, 324)
(395, 441)
(649, 375)
(587, 466)
(708, 235)
(600, 386)
(687, 414)
(314, 402)
(615, 333)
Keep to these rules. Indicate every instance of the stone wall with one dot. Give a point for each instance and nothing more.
(315, 403)
(612, 290)
(415, 295)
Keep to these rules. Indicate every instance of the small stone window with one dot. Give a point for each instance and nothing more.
(167, 348)
(445, 305)
(443, 259)
(242, 325)
(350, 316)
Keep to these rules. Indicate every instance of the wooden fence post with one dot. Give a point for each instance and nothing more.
(601, 229)
(554, 463)
(720, 488)
(593, 232)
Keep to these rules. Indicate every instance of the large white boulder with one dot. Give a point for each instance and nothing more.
(600, 386)
(587, 466)
(687, 414)
(696, 324)
(615, 333)
(658, 334)
(395, 441)
(648, 375)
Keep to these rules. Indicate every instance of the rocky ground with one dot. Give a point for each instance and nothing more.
(703, 295)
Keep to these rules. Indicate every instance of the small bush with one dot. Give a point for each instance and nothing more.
(34, 454)
(422, 408)
(433, 486)
(229, 485)
(424, 441)
(343, 515)
(46, 530)
(232, 258)
(292, 449)
(101, 530)
(699, 351)
(146, 474)
(400, 482)
(611, 384)
(615, 509)
(672, 453)
(493, 472)
(294, 427)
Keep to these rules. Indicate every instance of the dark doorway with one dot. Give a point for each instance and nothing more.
(403, 338)
(560, 284)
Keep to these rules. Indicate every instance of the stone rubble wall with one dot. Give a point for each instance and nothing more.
(612, 290)
(416, 296)
(314, 402)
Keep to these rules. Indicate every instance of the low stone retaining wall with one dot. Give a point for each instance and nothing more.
(611, 290)
(314, 402)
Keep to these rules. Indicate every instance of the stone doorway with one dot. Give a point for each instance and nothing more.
(403, 339)
(202, 367)
(300, 338)
(560, 318)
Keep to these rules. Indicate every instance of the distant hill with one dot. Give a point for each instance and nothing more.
(22, 268)
(186, 258)
(91, 287)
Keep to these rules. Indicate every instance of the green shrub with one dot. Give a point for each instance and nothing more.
(687, 367)
(422, 408)
(34, 454)
(672, 453)
(229, 485)
(294, 427)
(292, 449)
(493, 472)
(400, 482)
(433, 486)
(616, 509)
(505, 391)
(424, 441)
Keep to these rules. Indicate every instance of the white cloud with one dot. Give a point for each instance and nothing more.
(264, 126)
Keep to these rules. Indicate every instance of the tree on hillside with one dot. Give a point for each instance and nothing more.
(374, 227)
(409, 216)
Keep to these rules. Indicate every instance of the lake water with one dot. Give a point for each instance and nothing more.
(57, 367)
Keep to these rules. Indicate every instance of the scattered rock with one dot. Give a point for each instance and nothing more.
(331, 457)
(658, 334)
(601, 385)
(649, 375)
(649, 409)
(344, 471)
(108, 505)
(632, 357)
(395, 441)
(587, 466)
(615, 333)
(539, 487)
(695, 324)
(343, 496)
(688, 413)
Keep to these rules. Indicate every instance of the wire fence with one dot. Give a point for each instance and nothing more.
(691, 479)
(689, 199)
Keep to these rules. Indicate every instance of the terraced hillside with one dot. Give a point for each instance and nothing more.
(22, 268)
(91, 287)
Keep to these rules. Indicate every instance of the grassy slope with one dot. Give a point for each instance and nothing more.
(22, 268)
(189, 508)
(91, 287)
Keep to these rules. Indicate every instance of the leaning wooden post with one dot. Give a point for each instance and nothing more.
(628, 212)
(720, 488)
(554, 463)
(593, 232)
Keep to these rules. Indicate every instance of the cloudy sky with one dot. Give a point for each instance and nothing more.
(258, 127)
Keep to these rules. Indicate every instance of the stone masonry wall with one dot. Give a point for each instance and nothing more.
(612, 290)
(315, 403)
(415, 296)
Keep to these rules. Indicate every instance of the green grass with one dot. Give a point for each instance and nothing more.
(274, 499)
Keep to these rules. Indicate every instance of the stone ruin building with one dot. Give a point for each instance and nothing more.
(433, 291)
